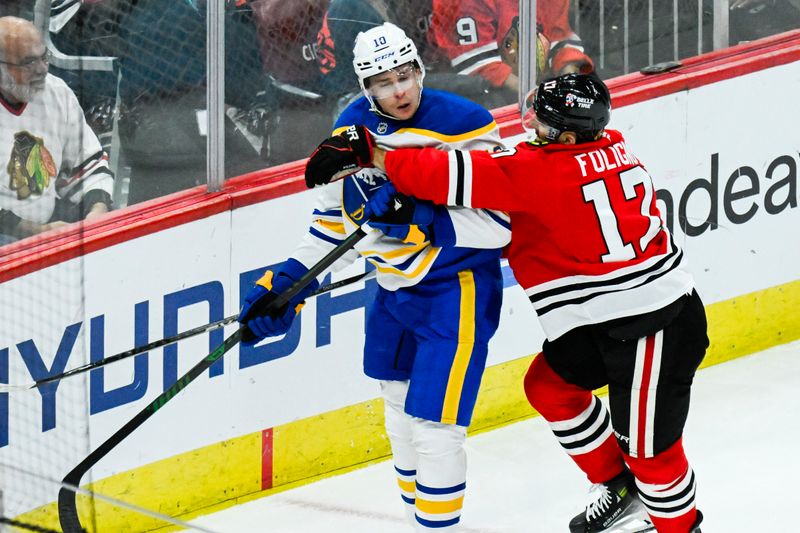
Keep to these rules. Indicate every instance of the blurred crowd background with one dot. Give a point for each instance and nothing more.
(288, 65)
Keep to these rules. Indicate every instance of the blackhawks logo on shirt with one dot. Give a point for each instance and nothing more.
(30, 167)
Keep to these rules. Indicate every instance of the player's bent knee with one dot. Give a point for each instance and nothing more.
(540, 383)
(398, 423)
(434, 439)
(394, 392)
(548, 393)
(664, 466)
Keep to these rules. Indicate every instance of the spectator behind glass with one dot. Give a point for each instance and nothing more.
(300, 111)
(90, 28)
(754, 19)
(472, 34)
(55, 172)
(17, 8)
(163, 94)
(307, 53)
(344, 20)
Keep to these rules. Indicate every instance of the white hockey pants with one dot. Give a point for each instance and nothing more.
(430, 463)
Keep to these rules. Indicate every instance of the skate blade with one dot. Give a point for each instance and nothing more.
(630, 524)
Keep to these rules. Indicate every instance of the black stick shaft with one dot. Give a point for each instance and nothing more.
(67, 505)
(341, 249)
(164, 342)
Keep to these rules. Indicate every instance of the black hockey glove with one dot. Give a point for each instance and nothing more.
(339, 156)
(400, 216)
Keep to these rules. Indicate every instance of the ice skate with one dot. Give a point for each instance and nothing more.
(696, 525)
(613, 508)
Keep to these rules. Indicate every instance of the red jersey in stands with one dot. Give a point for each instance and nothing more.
(470, 33)
(588, 243)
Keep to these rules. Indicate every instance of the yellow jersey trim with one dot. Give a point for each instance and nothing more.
(451, 138)
(436, 135)
(466, 342)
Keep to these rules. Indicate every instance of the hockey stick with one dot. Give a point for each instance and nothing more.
(163, 342)
(67, 505)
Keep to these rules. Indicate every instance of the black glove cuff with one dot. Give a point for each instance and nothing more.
(95, 196)
(366, 149)
(8, 221)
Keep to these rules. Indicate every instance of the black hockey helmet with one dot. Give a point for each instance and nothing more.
(573, 102)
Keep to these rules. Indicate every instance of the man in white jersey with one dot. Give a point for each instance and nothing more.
(440, 288)
(47, 150)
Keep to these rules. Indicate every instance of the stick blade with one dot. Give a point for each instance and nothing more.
(4, 387)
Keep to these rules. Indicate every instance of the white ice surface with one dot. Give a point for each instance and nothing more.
(742, 439)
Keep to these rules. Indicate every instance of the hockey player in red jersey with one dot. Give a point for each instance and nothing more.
(609, 285)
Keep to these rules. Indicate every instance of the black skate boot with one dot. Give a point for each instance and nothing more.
(613, 506)
(696, 526)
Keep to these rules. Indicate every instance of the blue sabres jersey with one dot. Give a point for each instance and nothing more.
(465, 237)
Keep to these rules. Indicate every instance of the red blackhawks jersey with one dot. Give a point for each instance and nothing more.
(588, 243)
(470, 33)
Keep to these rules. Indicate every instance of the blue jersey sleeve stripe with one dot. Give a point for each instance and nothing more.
(505, 223)
(328, 213)
(319, 235)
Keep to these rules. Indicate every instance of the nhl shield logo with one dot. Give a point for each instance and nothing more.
(383, 128)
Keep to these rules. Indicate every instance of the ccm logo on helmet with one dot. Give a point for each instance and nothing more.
(384, 56)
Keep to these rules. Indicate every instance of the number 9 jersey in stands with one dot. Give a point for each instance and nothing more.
(463, 237)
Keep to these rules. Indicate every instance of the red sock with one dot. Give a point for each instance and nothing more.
(667, 488)
(580, 422)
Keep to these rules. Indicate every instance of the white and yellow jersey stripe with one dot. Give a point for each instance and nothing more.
(472, 236)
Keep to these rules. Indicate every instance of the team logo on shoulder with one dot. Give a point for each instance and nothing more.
(383, 128)
(366, 177)
(358, 214)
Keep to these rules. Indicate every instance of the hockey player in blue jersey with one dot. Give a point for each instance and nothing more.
(438, 272)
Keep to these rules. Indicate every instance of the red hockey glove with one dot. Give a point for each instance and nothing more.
(339, 156)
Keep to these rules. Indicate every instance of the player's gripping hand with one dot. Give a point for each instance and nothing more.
(340, 155)
(400, 216)
(257, 314)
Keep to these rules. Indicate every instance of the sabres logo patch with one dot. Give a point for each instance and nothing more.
(358, 214)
